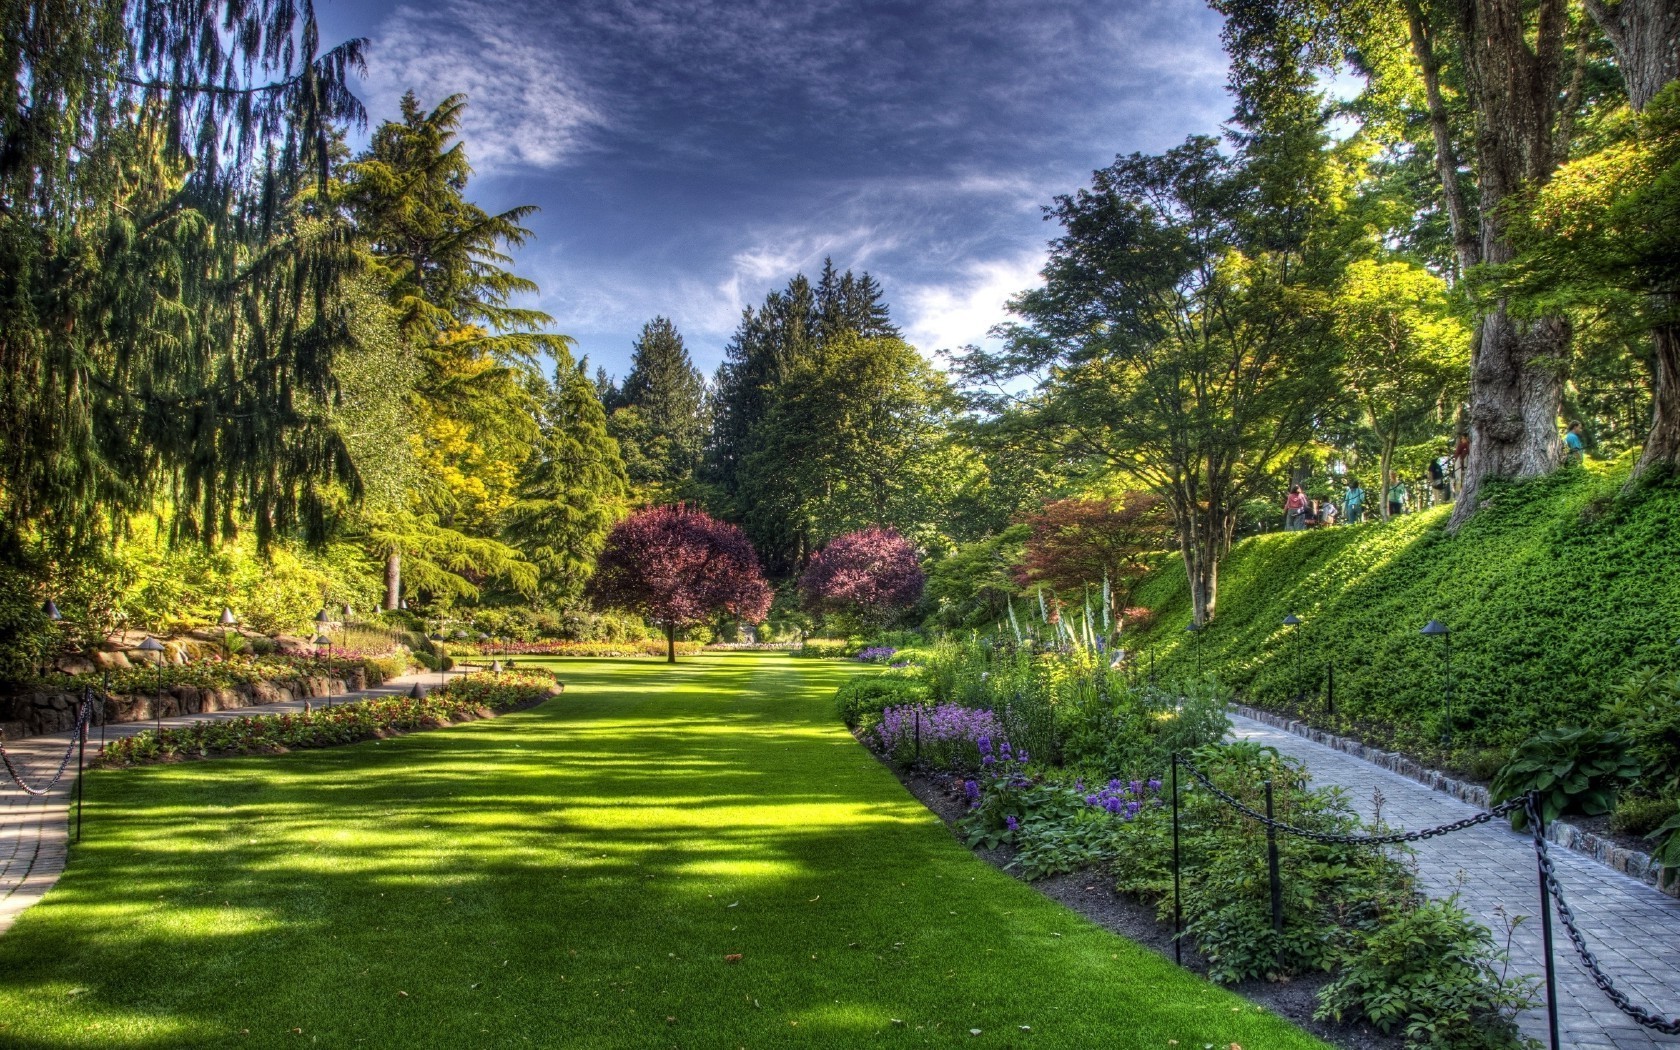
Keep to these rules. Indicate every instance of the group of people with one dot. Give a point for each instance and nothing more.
(1300, 512)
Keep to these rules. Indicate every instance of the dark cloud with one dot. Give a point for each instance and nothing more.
(689, 156)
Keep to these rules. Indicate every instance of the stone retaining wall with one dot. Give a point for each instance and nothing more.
(34, 714)
(1627, 861)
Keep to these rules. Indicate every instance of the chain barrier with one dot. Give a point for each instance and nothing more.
(83, 715)
(1348, 840)
(1655, 1022)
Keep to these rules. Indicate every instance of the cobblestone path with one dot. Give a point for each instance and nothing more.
(1632, 928)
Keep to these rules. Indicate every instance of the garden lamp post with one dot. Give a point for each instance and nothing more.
(152, 645)
(1433, 629)
(227, 621)
(321, 643)
(1195, 630)
(1293, 622)
(344, 628)
(50, 610)
(437, 640)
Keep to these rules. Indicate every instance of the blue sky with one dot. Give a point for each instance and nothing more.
(688, 157)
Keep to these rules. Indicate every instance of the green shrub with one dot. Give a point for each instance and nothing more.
(862, 698)
(1575, 771)
(827, 648)
(381, 669)
(1429, 971)
(1641, 816)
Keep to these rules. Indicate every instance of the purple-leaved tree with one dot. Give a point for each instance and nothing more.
(677, 566)
(871, 574)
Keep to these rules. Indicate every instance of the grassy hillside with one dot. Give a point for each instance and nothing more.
(1556, 592)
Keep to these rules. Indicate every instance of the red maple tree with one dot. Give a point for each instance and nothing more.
(1076, 543)
(677, 566)
(872, 573)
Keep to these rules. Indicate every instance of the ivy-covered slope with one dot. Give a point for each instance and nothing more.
(1556, 593)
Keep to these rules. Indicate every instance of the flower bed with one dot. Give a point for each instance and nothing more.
(463, 699)
(646, 647)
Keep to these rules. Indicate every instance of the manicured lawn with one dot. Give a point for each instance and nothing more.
(576, 875)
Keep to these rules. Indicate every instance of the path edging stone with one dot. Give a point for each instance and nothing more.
(1629, 862)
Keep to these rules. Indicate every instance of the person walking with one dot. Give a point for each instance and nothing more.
(1327, 512)
(1353, 503)
(1575, 451)
(1294, 510)
(1396, 497)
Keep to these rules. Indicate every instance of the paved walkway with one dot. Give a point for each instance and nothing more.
(34, 829)
(1632, 928)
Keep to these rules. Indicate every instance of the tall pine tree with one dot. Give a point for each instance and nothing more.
(659, 414)
(573, 489)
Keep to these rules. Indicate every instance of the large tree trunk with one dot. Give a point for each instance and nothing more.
(1646, 37)
(670, 642)
(1517, 367)
(1662, 444)
(393, 581)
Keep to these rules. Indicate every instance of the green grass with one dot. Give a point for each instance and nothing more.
(1556, 592)
(575, 875)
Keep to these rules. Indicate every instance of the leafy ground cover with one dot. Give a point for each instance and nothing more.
(1557, 593)
(693, 856)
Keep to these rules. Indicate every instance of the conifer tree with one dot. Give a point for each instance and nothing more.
(659, 414)
(573, 489)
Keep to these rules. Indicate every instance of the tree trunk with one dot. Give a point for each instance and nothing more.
(1646, 37)
(1385, 466)
(1201, 566)
(393, 581)
(670, 642)
(1465, 246)
(1517, 367)
(1662, 444)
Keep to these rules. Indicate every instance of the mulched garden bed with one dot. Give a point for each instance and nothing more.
(1091, 893)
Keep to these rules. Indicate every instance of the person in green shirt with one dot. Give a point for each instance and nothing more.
(1353, 502)
(1396, 498)
(1575, 450)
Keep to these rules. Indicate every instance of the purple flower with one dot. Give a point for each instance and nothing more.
(1023, 756)
(1012, 823)
(1136, 787)
(987, 760)
(972, 790)
(984, 744)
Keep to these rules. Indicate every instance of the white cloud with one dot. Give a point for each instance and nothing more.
(526, 109)
(964, 308)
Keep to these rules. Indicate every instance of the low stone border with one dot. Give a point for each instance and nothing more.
(38, 714)
(1618, 858)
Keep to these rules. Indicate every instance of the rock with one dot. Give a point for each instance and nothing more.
(141, 656)
(75, 665)
(112, 661)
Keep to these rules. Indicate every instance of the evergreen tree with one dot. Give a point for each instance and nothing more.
(162, 273)
(572, 490)
(659, 414)
(444, 264)
(791, 327)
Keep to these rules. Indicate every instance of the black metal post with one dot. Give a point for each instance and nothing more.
(1545, 916)
(1446, 656)
(81, 754)
(918, 734)
(1178, 906)
(1272, 872)
(1330, 689)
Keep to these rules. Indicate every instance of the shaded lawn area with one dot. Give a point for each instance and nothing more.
(575, 875)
